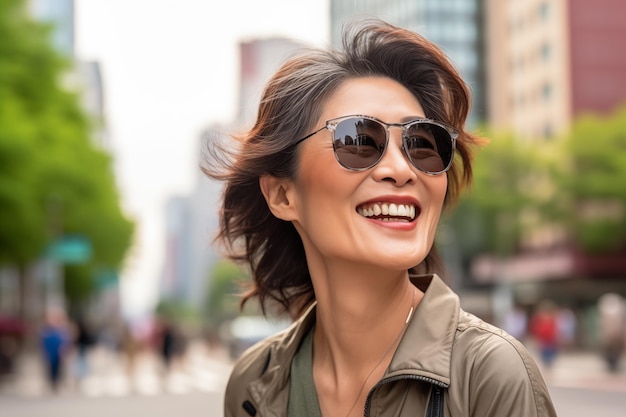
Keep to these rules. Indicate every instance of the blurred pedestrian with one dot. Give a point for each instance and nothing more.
(84, 340)
(167, 347)
(612, 328)
(516, 323)
(130, 348)
(567, 327)
(171, 344)
(544, 329)
(333, 200)
(55, 343)
(12, 332)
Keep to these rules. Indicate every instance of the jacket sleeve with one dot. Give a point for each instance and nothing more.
(505, 381)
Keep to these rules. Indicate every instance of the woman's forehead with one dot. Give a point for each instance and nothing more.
(380, 97)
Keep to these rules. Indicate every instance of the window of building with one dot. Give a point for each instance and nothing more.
(544, 10)
(548, 131)
(546, 52)
(546, 91)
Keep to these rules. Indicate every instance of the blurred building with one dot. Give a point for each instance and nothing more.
(85, 77)
(259, 58)
(549, 61)
(60, 14)
(191, 224)
(178, 227)
(456, 26)
(192, 221)
(88, 80)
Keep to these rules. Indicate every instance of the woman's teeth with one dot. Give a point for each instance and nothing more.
(390, 211)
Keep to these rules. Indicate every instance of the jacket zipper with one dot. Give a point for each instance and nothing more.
(368, 401)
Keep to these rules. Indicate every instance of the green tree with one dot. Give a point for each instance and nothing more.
(223, 289)
(593, 182)
(53, 180)
(490, 216)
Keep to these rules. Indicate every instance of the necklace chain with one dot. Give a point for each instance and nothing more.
(395, 340)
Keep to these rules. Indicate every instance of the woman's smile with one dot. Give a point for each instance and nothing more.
(389, 212)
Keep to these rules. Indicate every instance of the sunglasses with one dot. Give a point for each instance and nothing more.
(359, 142)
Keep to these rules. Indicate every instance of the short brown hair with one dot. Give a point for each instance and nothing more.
(290, 107)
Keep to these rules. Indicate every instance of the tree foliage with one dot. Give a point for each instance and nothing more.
(53, 180)
(489, 216)
(574, 184)
(594, 181)
(224, 286)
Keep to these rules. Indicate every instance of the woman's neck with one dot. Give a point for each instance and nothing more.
(359, 324)
(357, 317)
(359, 308)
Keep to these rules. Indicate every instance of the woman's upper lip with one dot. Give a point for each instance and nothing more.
(397, 199)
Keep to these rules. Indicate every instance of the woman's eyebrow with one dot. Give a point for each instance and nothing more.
(410, 118)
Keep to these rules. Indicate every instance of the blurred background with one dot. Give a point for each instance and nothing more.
(110, 288)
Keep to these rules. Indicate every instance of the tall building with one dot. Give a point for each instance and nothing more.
(176, 261)
(191, 224)
(85, 77)
(259, 58)
(551, 60)
(60, 14)
(192, 221)
(455, 26)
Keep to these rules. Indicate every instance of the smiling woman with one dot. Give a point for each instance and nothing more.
(333, 199)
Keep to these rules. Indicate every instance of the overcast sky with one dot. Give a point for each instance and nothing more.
(170, 68)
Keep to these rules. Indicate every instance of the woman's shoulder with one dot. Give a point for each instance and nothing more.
(497, 365)
(485, 341)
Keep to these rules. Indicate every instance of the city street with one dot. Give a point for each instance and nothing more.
(578, 383)
(578, 402)
(164, 405)
(194, 386)
(570, 402)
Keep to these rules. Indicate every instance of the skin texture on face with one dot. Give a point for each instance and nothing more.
(326, 201)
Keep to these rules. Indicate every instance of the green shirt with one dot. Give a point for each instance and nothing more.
(302, 395)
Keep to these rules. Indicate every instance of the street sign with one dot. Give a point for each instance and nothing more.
(70, 250)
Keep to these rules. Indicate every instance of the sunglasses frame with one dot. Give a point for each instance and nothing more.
(332, 124)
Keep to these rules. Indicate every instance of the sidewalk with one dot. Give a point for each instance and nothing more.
(584, 370)
(109, 375)
(210, 370)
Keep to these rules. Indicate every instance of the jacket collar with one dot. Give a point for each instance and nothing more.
(426, 346)
(424, 350)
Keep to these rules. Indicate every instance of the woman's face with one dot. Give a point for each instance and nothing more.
(332, 203)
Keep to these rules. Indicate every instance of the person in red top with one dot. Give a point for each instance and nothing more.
(544, 329)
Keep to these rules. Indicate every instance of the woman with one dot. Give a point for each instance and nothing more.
(333, 199)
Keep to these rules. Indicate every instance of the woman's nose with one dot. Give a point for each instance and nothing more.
(394, 165)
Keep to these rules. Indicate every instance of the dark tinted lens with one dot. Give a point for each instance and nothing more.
(429, 146)
(359, 143)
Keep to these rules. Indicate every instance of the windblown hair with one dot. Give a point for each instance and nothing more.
(290, 107)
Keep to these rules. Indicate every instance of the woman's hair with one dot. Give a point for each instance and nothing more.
(290, 108)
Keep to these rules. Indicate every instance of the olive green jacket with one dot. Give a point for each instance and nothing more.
(484, 372)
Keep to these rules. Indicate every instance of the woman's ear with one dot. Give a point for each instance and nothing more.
(279, 195)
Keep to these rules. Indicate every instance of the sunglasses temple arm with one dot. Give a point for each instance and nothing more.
(309, 135)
